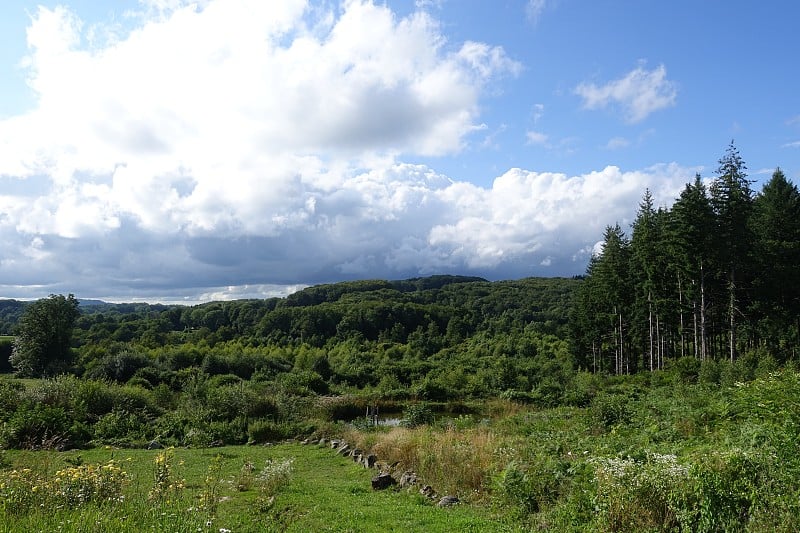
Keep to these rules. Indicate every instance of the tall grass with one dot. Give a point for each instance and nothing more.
(453, 461)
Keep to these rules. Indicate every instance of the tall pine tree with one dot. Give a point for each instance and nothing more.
(732, 200)
(776, 225)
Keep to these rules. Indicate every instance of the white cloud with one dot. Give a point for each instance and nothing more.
(536, 137)
(617, 143)
(232, 149)
(639, 93)
(534, 10)
(424, 4)
(538, 112)
(795, 144)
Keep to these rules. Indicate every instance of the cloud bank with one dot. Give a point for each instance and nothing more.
(229, 149)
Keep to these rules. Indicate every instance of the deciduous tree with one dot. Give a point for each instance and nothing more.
(42, 346)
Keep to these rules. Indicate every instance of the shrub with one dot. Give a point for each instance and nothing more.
(721, 490)
(709, 372)
(119, 367)
(274, 474)
(35, 426)
(639, 495)
(228, 402)
(10, 397)
(611, 409)
(261, 431)
(123, 427)
(533, 485)
(417, 414)
(687, 369)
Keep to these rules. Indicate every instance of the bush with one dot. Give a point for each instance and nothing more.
(610, 409)
(417, 414)
(123, 427)
(709, 372)
(10, 397)
(686, 369)
(639, 495)
(229, 401)
(36, 426)
(119, 367)
(261, 431)
(722, 489)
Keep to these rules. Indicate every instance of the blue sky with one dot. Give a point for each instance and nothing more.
(164, 150)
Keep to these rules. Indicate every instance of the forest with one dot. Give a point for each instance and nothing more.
(716, 276)
(657, 392)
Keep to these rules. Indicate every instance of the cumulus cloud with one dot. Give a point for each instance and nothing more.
(220, 150)
(639, 93)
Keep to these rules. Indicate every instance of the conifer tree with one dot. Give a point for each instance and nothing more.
(776, 225)
(691, 237)
(732, 200)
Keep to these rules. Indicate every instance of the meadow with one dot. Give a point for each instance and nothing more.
(287, 487)
(646, 453)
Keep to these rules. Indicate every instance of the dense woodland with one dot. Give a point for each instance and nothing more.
(435, 338)
(716, 276)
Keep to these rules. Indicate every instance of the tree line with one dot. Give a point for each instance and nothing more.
(716, 276)
(439, 337)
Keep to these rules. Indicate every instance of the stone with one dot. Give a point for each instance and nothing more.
(408, 479)
(428, 492)
(343, 450)
(447, 501)
(154, 445)
(369, 460)
(383, 481)
(322, 441)
(335, 444)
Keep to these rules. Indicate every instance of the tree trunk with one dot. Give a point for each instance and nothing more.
(703, 348)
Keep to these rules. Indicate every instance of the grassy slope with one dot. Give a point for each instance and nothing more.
(325, 493)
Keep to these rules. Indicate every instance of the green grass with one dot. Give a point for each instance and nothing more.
(324, 492)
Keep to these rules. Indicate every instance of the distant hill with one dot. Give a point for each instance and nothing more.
(91, 303)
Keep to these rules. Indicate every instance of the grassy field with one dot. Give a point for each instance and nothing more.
(219, 490)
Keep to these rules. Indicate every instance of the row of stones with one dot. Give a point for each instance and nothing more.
(384, 479)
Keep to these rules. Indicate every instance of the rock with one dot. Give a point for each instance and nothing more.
(369, 460)
(428, 492)
(383, 481)
(306, 442)
(356, 453)
(408, 479)
(343, 449)
(216, 444)
(447, 501)
(334, 444)
(154, 445)
(322, 442)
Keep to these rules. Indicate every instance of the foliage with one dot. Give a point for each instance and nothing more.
(42, 346)
(417, 414)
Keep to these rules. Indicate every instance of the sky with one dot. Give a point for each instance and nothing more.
(181, 152)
